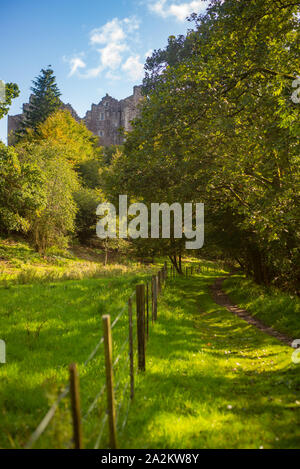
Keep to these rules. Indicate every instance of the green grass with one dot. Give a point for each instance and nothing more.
(20, 264)
(212, 380)
(46, 327)
(272, 306)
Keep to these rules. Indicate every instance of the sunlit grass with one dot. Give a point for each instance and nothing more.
(46, 327)
(20, 264)
(212, 380)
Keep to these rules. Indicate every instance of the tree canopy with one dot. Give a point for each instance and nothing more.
(219, 127)
(43, 101)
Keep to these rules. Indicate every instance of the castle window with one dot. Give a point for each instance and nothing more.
(102, 116)
(101, 133)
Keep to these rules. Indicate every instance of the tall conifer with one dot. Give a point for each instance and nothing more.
(44, 100)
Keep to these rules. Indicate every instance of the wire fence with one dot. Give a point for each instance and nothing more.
(109, 418)
(106, 412)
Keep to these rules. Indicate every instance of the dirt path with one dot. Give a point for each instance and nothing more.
(222, 299)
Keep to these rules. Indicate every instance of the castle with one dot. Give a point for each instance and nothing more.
(104, 119)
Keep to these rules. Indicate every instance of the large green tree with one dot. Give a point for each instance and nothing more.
(21, 191)
(219, 126)
(53, 224)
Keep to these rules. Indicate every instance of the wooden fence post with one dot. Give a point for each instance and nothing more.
(157, 293)
(192, 270)
(140, 311)
(186, 271)
(75, 402)
(109, 382)
(166, 270)
(154, 297)
(131, 349)
(153, 283)
(147, 303)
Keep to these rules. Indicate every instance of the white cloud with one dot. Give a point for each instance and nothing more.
(180, 10)
(113, 42)
(75, 64)
(113, 31)
(134, 68)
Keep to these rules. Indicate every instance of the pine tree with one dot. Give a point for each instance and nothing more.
(44, 100)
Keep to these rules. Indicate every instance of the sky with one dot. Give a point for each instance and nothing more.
(94, 46)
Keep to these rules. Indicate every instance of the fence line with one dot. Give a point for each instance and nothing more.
(142, 334)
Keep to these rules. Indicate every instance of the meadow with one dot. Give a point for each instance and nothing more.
(211, 380)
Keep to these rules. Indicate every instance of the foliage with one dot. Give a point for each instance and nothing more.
(57, 219)
(87, 201)
(43, 102)
(89, 171)
(60, 128)
(11, 92)
(109, 153)
(21, 191)
(219, 127)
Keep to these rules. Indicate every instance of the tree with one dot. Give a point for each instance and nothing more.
(56, 221)
(219, 127)
(60, 128)
(11, 91)
(22, 196)
(43, 102)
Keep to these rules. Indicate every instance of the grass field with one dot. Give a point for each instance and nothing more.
(21, 264)
(47, 325)
(212, 381)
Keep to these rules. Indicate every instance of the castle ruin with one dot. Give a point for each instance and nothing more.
(104, 119)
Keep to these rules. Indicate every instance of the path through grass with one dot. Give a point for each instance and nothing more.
(212, 380)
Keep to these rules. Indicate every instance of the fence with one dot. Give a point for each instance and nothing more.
(146, 295)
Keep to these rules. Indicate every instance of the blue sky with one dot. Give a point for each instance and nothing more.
(94, 46)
